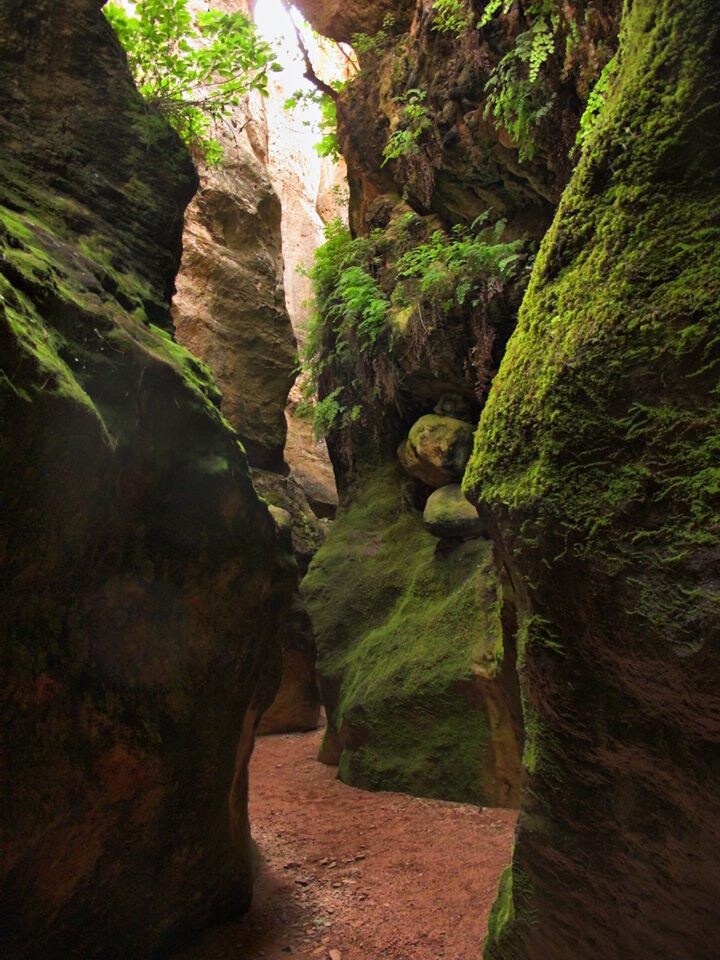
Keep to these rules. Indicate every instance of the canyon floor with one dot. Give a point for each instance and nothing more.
(351, 875)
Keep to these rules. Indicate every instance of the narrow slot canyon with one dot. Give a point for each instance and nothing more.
(351, 873)
(359, 564)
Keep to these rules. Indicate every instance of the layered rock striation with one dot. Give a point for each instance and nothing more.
(143, 581)
(230, 306)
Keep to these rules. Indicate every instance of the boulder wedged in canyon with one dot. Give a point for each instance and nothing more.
(420, 693)
(596, 461)
(143, 582)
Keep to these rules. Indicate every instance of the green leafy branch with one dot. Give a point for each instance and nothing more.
(193, 69)
(328, 145)
(451, 16)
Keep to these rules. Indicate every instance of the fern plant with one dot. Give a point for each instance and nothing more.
(450, 16)
(414, 122)
(516, 98)
(457, 269)
(596, 101)
(349, 312)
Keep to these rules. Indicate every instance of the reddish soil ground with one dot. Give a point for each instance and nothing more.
(351, 875)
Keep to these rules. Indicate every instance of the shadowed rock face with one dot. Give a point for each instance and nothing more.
(142, 581)
(342, 20)
(596, 458)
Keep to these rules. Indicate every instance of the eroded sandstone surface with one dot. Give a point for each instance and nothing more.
(412, 387)
(143, 582)
(595, 462)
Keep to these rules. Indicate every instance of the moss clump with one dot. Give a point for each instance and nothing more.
(95, 326)
(510, 917)
(401, 632)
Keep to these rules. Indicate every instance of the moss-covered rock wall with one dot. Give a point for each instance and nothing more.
(143, 582)
(596, 458)
(411, 658)
(413, 313)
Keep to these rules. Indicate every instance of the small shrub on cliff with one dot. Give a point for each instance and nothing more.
(374, 45)
(192, 69)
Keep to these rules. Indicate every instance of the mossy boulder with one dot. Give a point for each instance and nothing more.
(437, 449)
(597, 458)
(419, 690)
(286, 494)
(449, 514)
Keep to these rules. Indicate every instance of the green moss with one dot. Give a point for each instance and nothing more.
(400, 632)
(43, 347)
(94, 325)
(598, 449)
(510, 917)
(424, 746)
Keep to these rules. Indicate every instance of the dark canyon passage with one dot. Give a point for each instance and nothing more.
(480, 527)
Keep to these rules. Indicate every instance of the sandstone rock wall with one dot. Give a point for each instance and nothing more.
(143, 582)
(230, 304)
(230, 309)
(440, 341)
(595, 459)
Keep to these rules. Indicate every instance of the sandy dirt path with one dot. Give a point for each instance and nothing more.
(351, 875)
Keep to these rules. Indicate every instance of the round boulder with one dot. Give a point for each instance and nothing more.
(454, 405)
(437, 449)
(449, 514)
